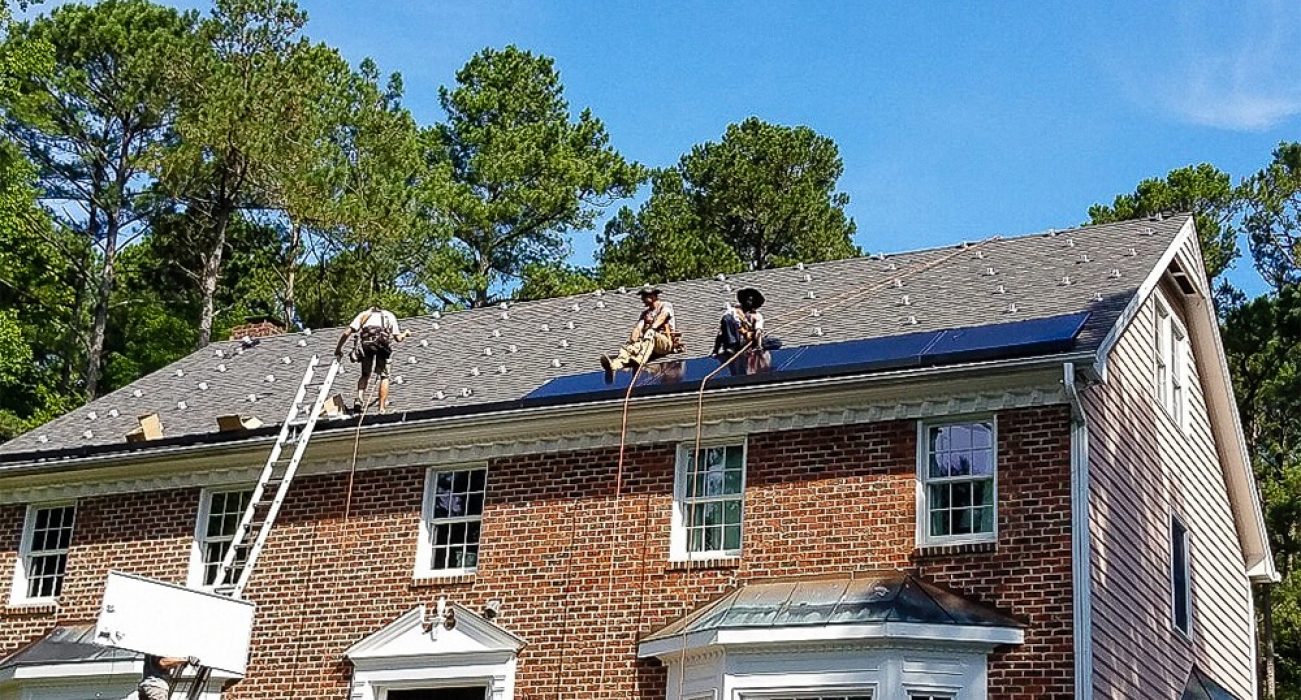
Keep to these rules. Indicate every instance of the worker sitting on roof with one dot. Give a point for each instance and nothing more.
(377, 330)
(741, 328)
(159, 673)
(653, 336)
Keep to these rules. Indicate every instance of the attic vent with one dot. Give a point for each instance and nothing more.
(727, 288)
(503, 306)
(811, 295)
(898, 283)
(546, 328)
(1097, 296)
(1147, 230)
(1133, 252)
(1084, 258)
(569, 325)
(307, 331)
(88, 434)
(424, 343)
(181, 405)
(302, 342)
(505, 315)
(501, 369)
(398, 379)
(270, 379)
(623, 290)
(599, 293)
(980, 255)
(219, 353)
(600, 304)
(892, 266)
(575, 307)
(42, 439)
(1066, 281)
(287, 360)
(252, 398)
(412, 360)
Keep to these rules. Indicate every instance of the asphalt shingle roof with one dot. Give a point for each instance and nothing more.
(503, 353)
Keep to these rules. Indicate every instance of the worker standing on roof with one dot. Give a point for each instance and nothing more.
(654, 335)
(377, 330)
(159, 673)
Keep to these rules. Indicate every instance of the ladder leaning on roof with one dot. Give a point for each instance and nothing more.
(255, 525)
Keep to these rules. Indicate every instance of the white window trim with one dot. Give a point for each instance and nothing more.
(1188, 578)
(194, 573)
(18, 588)
(678, 529)
(800, 692)
(1170, 330)
(425, 545)
(924, 538)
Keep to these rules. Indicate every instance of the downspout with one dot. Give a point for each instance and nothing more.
(1081, 569)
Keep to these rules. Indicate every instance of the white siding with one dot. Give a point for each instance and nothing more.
(1144, 468)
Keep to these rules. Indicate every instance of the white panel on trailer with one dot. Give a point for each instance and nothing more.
(153, 617)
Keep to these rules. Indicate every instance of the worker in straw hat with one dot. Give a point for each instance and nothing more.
(650, 338)
(741, 325)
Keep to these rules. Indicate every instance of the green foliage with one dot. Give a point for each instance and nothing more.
(763, 196)
(512, 174)
(545, 281)
(1203, 190)
(1273, 218)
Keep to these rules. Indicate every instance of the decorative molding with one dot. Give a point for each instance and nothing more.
(652, 422)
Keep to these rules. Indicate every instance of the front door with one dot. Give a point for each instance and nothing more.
(466, 693)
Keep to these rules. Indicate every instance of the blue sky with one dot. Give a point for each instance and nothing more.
(955, 120)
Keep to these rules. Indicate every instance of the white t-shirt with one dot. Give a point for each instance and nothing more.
(381, 318)
(649, 315)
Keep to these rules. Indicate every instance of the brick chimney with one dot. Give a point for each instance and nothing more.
(257, 327)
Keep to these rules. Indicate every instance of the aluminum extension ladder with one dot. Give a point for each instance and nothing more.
(255, 525)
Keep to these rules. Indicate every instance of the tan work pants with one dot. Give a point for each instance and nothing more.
(639, 352)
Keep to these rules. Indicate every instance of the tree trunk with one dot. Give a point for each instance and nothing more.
(291, 272)
(1268, 678)
(107, 277)
(211, 273)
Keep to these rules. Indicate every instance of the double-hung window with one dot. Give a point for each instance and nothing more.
(710, 499)
(1180, 578)
(219, 516)
(453, 517)
(957, 481)
(1170, 352)
(43, 553)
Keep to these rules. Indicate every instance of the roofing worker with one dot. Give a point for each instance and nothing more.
(159, 674)
(377, 330)
(740, 326)
(651, 337)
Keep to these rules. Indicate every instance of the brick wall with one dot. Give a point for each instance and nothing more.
(259, 328)
(817, 501)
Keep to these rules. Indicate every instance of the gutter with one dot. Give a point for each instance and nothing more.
(399, 424)
(1081, 561)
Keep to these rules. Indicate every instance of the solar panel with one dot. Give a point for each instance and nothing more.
(927, 348)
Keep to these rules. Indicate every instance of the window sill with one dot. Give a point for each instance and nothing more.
(717, 562)
(34, 607)
(450, 578)
(955, 548)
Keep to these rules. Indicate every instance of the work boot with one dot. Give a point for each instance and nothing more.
(608, 367)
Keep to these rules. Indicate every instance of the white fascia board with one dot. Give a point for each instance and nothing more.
(958, 635)
(1145, 289)
(458, 660)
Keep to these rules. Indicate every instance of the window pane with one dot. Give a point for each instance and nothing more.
(732, 537)
(440, 558)
(982, 435)
(732, 512)
(962, 521)
(939, 496)
(939, 523)
(985, 519)
(961, 494)
(982, 463)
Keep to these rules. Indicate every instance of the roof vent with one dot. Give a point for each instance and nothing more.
(600, 304)
(1084, 258)
(892, 266)
(398, 379)
(503, 306)
(575, 307)
(203, 386)
(898, 283)
(799, 266)
(307, 331)
(437, 314)
(623, 290)
(815, 313)
(808, 278)
(424, 343)
(980, 255)
(1097, 296)
(727, 288)
(817, 331)
(434, 326)
(965, 245)
(501, 369)
(286, 360)
(219, 353)
(879, 256)
(239, 351)
(1133, 252)
(88, 434)
(302, 342)
(720, 277)
(811, 295)
(599, 293)
(1146, 231)
(42, 439)
(505, 315)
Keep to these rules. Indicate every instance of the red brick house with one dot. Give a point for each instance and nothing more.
(1007, 469)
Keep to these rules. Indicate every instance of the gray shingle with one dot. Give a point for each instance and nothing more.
(854, 299)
